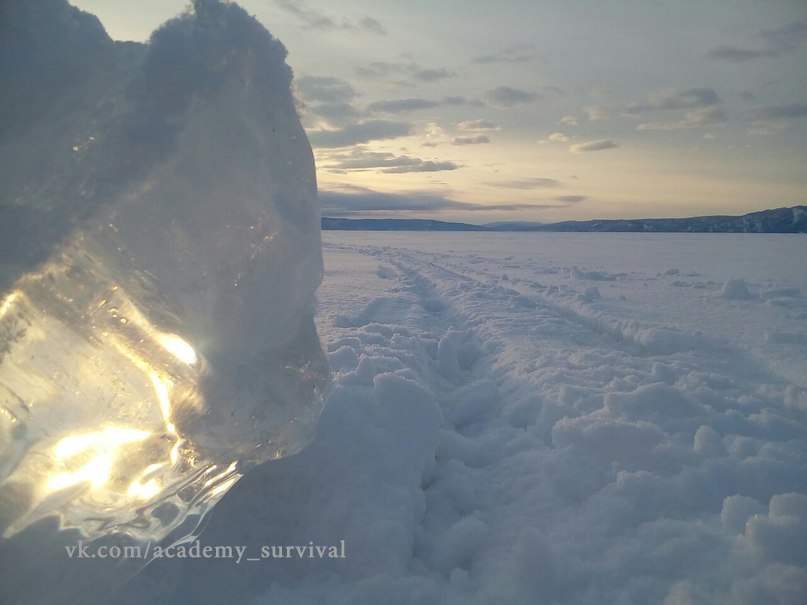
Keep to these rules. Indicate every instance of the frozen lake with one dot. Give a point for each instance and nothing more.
(541, 418)
(662, 279)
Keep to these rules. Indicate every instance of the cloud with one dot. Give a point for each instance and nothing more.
(596, 113)
(352, 200)
(423, 166)
(513, 54)
(598, 145)
(433, 132)
(769, 128)
(633, 109)
(776, 42)
(433, 75)
(786, 38)
(703, 105)
(383, 69)
(489, 207)
(335, 113)
(703, 116)
(353, 134)
(328, 98)
(360, 159)
(773, 119)
(402, 105)
(312, 18)
(733, 54)
(477, 125)
(372, 26)
(505, 96)
(460, 100)
(683, 99)
(359, 199)
(326, 89)
(410, 72)
(414, 104)
(570, 199)
(477, 140)
(529, 183)
(781, 112)
(569, 120)
(557, 137)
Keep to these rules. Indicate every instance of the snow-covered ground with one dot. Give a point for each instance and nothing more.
(538, 418)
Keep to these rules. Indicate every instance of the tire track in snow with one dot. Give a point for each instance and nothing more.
(580, 348)
(562, 384)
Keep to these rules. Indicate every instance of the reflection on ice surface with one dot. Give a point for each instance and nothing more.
(156, 333)
(111, 422)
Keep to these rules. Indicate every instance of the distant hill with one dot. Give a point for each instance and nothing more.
(779, 220)
(513, 225)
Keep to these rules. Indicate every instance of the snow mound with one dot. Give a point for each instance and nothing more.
(735, 289)
(581, 275)
(157, 335)
(591, 294)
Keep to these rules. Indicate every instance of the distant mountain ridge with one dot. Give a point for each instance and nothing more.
(778, 220)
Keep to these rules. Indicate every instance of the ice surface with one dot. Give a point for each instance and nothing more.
(160, 253)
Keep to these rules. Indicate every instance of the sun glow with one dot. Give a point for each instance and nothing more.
(101, 447)
(6, 304)
(145, 488)
(179, 348)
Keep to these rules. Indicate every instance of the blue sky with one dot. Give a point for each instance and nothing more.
(550, 110)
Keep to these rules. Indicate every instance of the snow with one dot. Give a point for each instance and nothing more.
(515, 441)
(735, 289)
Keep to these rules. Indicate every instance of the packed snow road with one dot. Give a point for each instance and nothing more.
(551, 420)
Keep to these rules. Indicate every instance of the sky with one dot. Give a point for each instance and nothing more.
(474, 111)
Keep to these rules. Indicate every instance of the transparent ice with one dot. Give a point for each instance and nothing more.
(156, 331)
